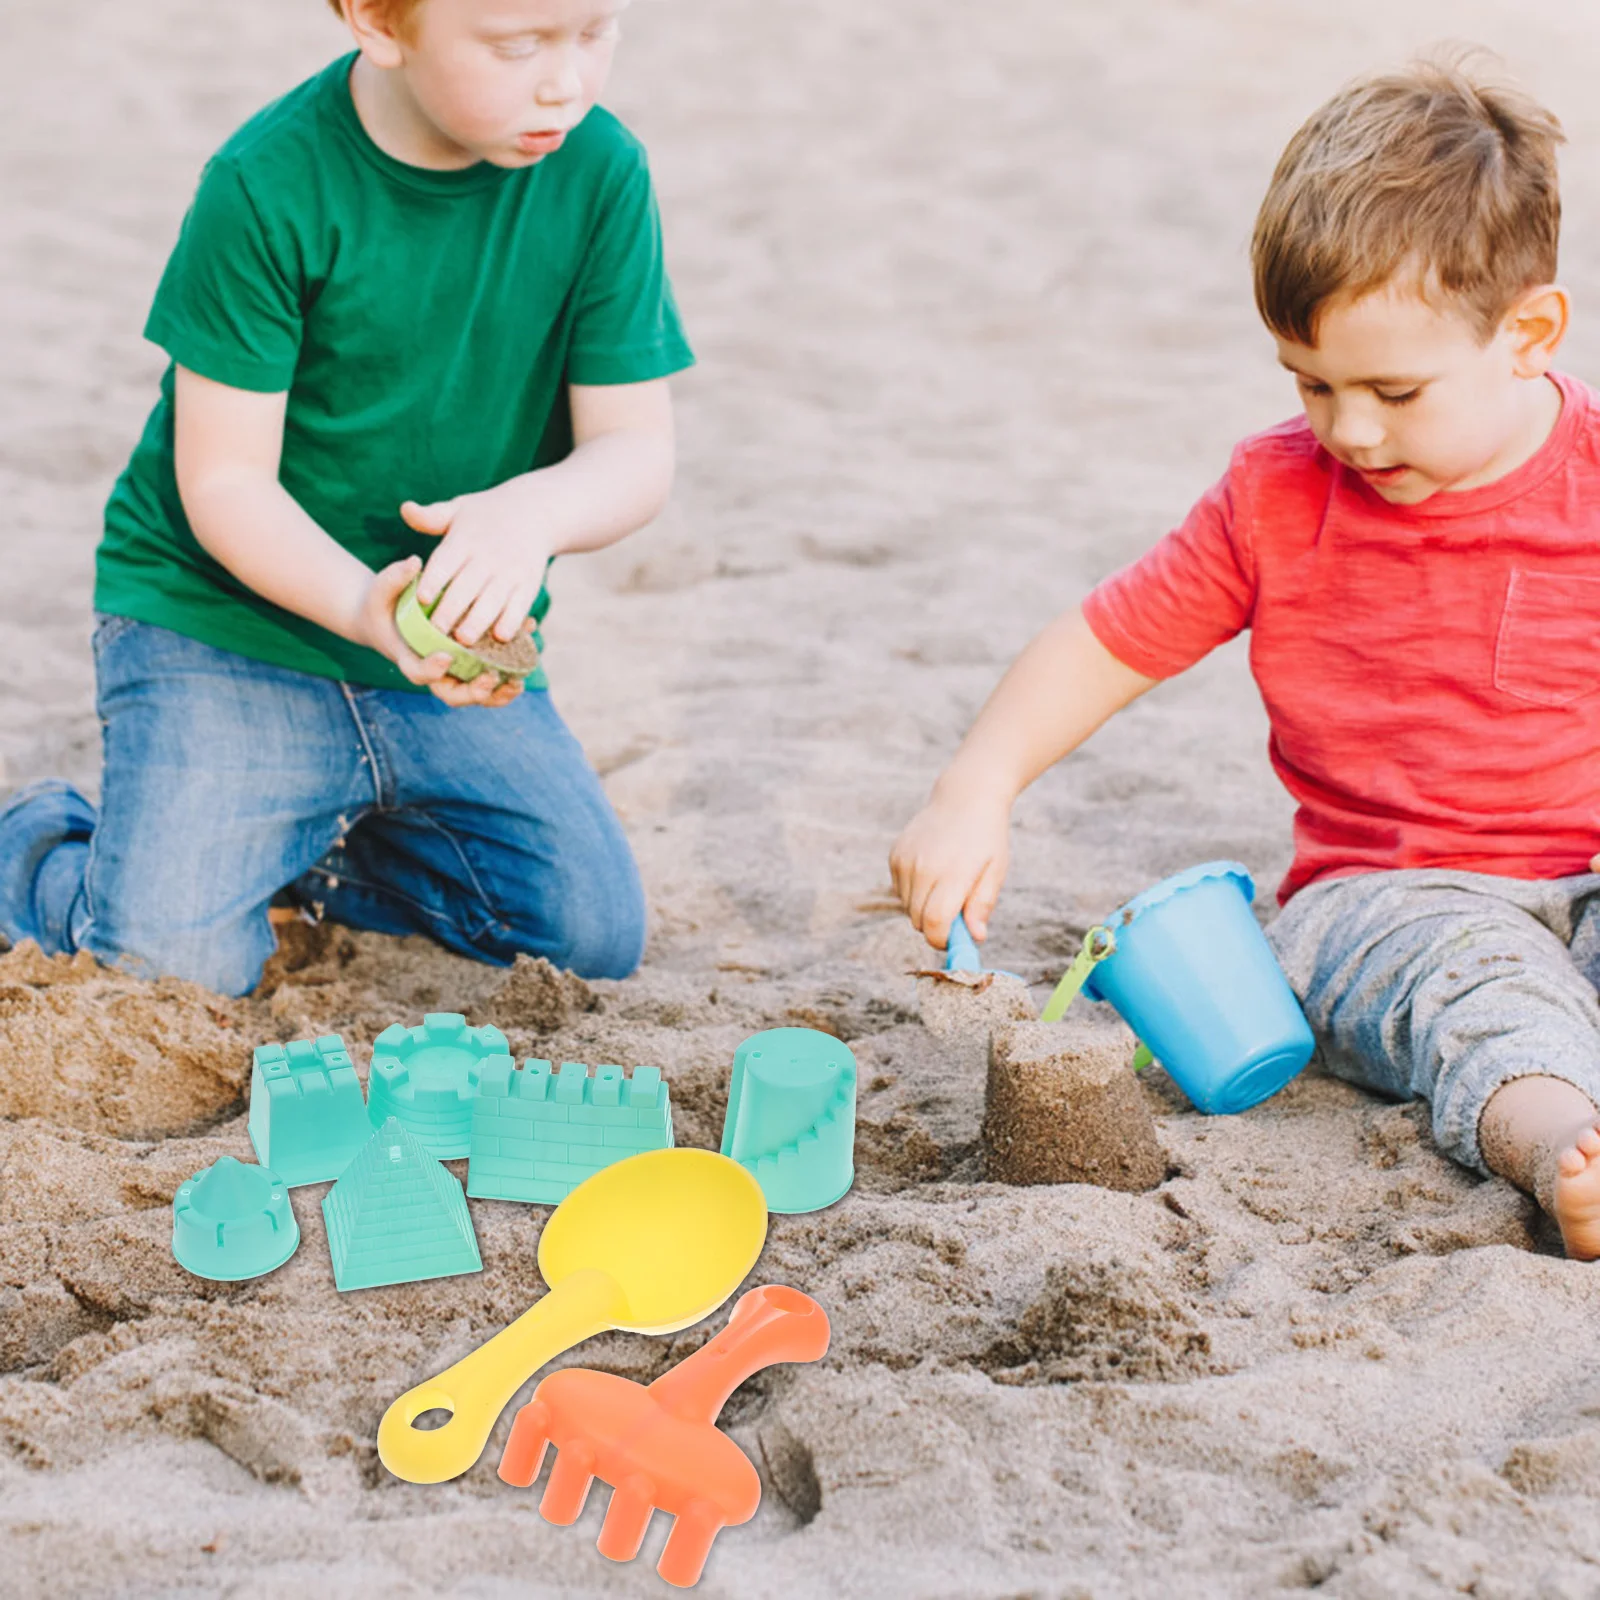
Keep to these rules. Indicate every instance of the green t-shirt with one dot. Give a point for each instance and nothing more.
(425, 325)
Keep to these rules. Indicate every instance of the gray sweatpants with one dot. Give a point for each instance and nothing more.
(1447, 985)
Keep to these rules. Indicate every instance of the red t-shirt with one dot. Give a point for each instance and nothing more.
(1430, 671)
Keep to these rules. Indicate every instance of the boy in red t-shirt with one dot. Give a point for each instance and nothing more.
(1418, 562)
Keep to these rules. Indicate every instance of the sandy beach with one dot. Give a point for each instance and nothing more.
(970, 295)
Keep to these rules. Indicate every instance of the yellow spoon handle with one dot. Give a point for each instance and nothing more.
(475, 1390)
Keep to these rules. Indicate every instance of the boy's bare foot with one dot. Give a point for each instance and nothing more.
(1576, 1196)
(1543, 1134)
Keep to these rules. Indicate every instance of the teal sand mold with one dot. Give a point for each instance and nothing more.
(307, 1117)
(231, 1221)
(396, 1216)
(791, 1120)
(427, 1077)
(537, 1134)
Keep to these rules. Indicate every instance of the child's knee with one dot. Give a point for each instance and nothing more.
(225, 962)
(594, 929)
(606, 938)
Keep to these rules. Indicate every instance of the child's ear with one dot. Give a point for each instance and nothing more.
(1537, 323)
(371, 23)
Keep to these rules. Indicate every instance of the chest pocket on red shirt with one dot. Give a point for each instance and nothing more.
(1549, 646)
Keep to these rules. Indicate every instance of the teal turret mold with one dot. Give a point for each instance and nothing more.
(307, 1117)
(396, 1216)
(427, 1077)
(232, 1221)
(538, 1133)
(791, 1120)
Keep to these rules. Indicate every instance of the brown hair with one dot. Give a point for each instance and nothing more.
(1433, 170)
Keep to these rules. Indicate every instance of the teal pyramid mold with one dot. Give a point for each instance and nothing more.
(307, 1117)
(232, 1221)
(537, 1133)
(428, 1077)
(791, 1121)
(396, 1216)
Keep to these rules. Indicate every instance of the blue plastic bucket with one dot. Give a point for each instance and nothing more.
(1193, 975)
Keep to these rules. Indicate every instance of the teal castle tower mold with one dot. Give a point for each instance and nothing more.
(537, 1133)
(233, 1221)
(396, 1216)
(427, 1077)
(307, 1117)
(791, 1120)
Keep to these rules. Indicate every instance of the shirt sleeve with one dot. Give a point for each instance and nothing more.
(225, 306)
(1193, 591)
(626, 328)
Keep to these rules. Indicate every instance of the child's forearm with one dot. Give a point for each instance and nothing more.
(260, 533)
(609, 487)
(952, 855)
(605, 490)
(1057, 692)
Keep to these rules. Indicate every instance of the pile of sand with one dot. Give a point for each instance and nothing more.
(969, 293)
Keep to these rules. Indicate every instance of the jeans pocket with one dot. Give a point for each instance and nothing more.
(1548, 651)
(108, 629)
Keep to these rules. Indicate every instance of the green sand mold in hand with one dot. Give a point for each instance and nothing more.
(516, 658)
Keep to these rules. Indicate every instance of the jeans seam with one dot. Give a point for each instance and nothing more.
(387, 891)
(380, 776)
(86, 890)
(454, 841)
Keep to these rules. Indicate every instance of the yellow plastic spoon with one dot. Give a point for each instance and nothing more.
(652, 1244)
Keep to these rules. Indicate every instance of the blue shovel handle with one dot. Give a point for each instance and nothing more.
(960, 951)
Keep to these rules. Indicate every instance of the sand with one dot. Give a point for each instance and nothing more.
(513, 657)
(969, 290)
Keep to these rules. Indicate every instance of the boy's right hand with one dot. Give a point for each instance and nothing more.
(951, 857)
(378, 631)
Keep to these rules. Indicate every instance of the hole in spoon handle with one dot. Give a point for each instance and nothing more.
(477, 1388)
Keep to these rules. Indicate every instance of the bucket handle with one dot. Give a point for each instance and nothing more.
(1098, 943)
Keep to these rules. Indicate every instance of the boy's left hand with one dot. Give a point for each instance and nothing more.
(489, 566)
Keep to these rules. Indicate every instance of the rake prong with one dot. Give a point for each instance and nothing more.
(627, 1517)
(689, 1544)
(569, 1484)
(524, 1452)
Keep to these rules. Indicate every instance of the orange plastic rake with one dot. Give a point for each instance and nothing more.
(659, 1447)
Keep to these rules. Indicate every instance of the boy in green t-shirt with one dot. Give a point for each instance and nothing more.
(418, 322)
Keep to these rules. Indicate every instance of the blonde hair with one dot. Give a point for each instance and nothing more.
(395, 11)
(1434, 171)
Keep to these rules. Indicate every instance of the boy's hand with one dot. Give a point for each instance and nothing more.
(951, 857)
(489, 565)
(377, 629)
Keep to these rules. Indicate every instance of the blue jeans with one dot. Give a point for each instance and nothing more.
(228, 781)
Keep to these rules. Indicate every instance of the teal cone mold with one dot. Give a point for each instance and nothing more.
(427, 1078)
(396, 1216)
(307, 1117)
(231, 1221)
(791, 1120)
